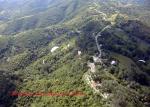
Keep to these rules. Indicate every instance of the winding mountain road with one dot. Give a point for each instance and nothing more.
(96, 40)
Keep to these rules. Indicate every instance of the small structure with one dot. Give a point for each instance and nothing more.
(68, 45)
(105, 95)
(78, 31)
(96, 59)
(54, 48)
(8, 59)
(92, 67)
(79, 53)
(99, 60)
(143, 61)
(43, 61)
(113, 62)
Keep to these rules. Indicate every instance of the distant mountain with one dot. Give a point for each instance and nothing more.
(28, 14)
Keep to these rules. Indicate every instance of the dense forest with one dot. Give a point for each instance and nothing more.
(61, 53)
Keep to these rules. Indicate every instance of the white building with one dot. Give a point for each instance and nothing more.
(68, 45)
(79, 53)
(142, 61)
(43, 61)
(113, 62)
(95, 59)
(54, 48)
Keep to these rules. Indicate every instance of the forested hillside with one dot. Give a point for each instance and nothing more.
(85, 53)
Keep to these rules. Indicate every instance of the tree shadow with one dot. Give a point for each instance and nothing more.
(7, 86)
